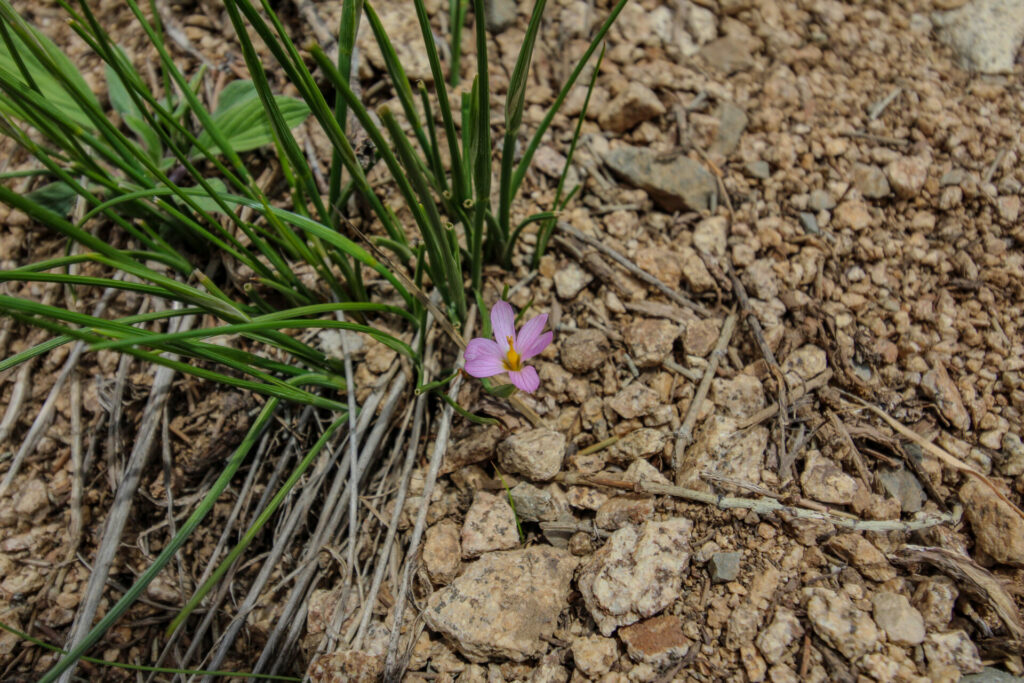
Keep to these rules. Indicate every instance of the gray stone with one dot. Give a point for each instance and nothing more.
(902, 485)
(809, 223)
(534, 453)
(761, 170)
(724, 566)
(637, 573)
(894, 614)
(984, 34)
(820, 200)
(870, 181)
(505, 604)
(535, 504)
(992, 675)
(584, 351)
(732, 121)
(675, 183)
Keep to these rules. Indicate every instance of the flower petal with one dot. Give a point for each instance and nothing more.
(483, 357)
(503, 324)
(530, 341)
(526, 379)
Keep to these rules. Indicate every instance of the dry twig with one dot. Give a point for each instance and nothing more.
(684, 435)
(635, 270)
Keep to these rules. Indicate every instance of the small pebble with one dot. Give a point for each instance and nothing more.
(724, 566)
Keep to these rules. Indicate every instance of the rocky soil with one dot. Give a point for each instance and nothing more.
(781, 419)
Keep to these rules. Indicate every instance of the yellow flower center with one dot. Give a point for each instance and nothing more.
(512, 362)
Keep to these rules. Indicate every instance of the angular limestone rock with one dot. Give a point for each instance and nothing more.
(505, 604)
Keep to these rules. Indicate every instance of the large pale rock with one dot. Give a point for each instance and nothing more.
(675, 183)
(637, 573)
(720, 447)
(870, 181)
(984, 34)
(636, 400)
(594, 655)
(780, 634)
(907, 175)
(839, 623)
(998, 529)
(862, 554)
(739, 397)
(650, 340)
(505, 604)
(895, 615)
(490, 525)
(535, 453)
(640, 443)
(584, 351)
(806, 362)
(823, 481)
(634, 104)
(953, 649)
(570, 280)
(442, 552)
(658, 641)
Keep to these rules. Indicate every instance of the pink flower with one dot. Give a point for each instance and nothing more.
(507, 351)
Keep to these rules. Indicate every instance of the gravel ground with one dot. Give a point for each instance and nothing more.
(778, 433)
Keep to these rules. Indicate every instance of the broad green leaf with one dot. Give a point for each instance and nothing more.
(49, 79)
(124, 105)
(243, 123)
(57, 196)
(203, 199)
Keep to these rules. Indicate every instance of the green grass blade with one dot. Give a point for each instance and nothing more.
(179, 539)
(143, 668)
(531, 148)
(548, 227)
(515, 103)
(460, 182)
(257, 526)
